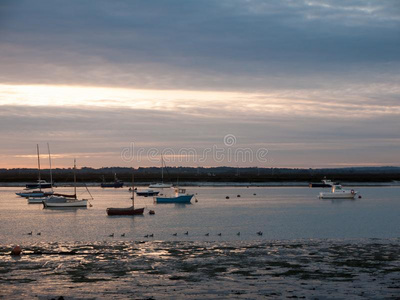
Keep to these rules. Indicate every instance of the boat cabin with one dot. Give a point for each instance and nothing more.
(179, 191)
(336, 188)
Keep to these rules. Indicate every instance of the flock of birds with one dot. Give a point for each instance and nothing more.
(186, 233)
(152, 234)
(31, 233)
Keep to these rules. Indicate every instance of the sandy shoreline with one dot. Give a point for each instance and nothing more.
(307, 269)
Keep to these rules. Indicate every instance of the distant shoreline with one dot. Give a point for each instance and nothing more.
(215, 184)
(213, 176)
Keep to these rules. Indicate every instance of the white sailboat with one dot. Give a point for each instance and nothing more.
(39, 197)
(161, 185)
(65, 202)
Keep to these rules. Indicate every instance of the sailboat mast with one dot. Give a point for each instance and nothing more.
(51, 172)
(38, 157)
(75, 177)
(133, 192)
(162, 169)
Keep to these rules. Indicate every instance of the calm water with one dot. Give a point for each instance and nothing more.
(280, 213)
(310, 248)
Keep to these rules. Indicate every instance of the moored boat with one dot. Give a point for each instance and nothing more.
(126, 211)
(161, 185)
(179, 197)
(36, 200)
(147, 193)
(338, 193)
(116, 184)
(61, 202)
(52, 198)
(65, 201)
(41, 184)
(324, 183)
(34, 194)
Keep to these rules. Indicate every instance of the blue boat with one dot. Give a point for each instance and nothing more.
(180, 197)
(34, 194)
(41, 184)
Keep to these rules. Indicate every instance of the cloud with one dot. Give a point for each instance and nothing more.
(200, 45)
(316, 82)
(98, 135)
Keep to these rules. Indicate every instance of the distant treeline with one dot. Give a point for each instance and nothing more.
(216, 174)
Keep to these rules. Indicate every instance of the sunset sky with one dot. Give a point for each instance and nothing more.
(313, 83)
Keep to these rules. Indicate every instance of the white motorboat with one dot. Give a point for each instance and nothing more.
(323, 184)
(338, 193)
(160, 185)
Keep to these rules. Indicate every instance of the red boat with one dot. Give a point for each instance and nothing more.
(128, 211)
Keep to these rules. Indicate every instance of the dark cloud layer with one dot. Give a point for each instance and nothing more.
(199, 44)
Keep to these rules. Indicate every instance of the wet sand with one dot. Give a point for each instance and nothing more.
(304, 269)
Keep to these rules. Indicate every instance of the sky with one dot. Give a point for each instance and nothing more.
(284, 83)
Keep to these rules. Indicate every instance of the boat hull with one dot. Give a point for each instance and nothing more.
(147, 194)
(129, 211)
(160, 186)
(337, 196)
(178, 199)
(66, 204)
(38, 186)
(33, 194)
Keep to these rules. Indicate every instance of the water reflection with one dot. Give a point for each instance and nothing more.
(181, 205)
(125, 216)
(340, 201)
